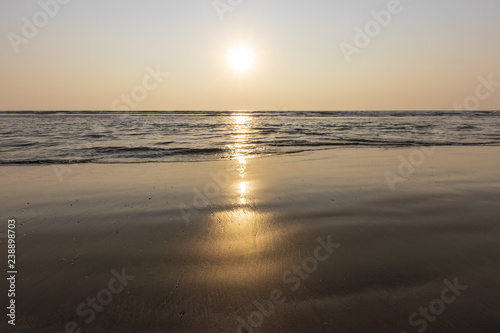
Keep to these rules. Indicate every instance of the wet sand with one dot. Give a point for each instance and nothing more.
(200, 247)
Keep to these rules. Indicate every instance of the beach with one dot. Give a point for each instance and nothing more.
(308, 242)
(234, 166)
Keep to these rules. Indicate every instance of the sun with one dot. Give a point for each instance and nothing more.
(241, 58)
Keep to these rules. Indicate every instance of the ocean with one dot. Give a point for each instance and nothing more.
(46, 137)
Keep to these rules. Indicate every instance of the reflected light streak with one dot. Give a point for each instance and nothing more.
(243, 192)
(242, 160)
(239, 230)
(243, 188)
(241, 237)
(240, 241)
(240, 151)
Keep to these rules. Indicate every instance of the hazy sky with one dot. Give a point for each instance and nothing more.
(307, 55)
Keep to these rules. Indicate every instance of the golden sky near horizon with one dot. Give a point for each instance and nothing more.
(248, 55)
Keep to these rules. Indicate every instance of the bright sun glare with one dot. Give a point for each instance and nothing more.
(241, 58)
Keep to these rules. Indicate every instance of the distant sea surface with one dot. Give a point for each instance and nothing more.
(142, 137)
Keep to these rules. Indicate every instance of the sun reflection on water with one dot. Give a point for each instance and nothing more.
(241, 238)
(240, 152)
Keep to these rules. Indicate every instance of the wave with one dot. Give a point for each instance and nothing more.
(373, 143)
(159, 151)
(47, 161)
(65, 137)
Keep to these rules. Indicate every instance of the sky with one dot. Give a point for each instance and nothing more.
(293, 54)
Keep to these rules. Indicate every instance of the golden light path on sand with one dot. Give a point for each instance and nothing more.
(241, 238)
(240, 152)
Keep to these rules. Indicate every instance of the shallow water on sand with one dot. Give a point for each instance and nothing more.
(213, 266)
